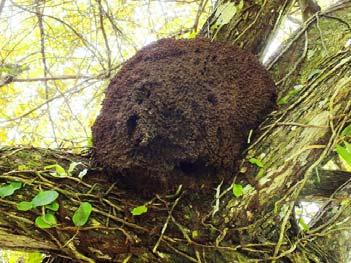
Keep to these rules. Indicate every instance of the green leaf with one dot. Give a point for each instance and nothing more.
(46, 221)
(256, 162)
(44, 198)
(348, 146)
(347, 131)
(53, 206)
(139, 210)
(59, 170)
(344, 153)
(238, 190)
(24, 206)
(9, 189)
(303, 225)
(82, 214)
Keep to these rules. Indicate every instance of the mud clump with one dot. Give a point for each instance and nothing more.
(179, 111)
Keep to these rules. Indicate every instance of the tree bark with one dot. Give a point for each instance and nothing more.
(293, 143)
(245, 23)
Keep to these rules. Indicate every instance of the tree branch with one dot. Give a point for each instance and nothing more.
(45, 69)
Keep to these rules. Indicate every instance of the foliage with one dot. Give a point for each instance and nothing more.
(9, 189)
(57, 57)
(238, 190)
(139, 210)
(81, 215)
(304, 132)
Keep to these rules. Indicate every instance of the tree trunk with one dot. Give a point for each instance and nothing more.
(246, 23)
(312, 70)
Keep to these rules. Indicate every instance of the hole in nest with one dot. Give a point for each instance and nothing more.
(196, 168)
(131, 124)
(188, 167)
(212, 99)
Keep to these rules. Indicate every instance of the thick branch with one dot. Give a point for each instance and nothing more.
(18, 242)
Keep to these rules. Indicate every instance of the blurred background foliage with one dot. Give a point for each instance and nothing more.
(56, 58)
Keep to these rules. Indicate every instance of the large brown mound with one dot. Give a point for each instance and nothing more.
(180, 111)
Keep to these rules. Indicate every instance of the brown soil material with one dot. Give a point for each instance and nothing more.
(179, 111)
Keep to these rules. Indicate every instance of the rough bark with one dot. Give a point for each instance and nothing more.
(293, 143)
(246, 23)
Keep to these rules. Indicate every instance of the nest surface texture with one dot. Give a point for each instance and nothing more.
(181, 109)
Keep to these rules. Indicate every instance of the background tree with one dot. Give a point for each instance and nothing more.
(291, 160)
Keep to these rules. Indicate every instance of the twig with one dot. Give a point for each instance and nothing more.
(166, 224)
(45, 68)
(282, 229)
(301, 59)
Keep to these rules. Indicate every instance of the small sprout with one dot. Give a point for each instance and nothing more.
(59, 170)
(256, 162)
(53, 206)
(46, 221)
(9, 189)
(238, 190)
(44, 198)
(82, 214)
(139, 210)
(303, 225)
(24, 206)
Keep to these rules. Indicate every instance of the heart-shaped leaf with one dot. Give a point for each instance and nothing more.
(82, 214)
(9, 189)
(25, 206)
(44, 198)
(53, 206)
(46, 221)
(238, 190)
